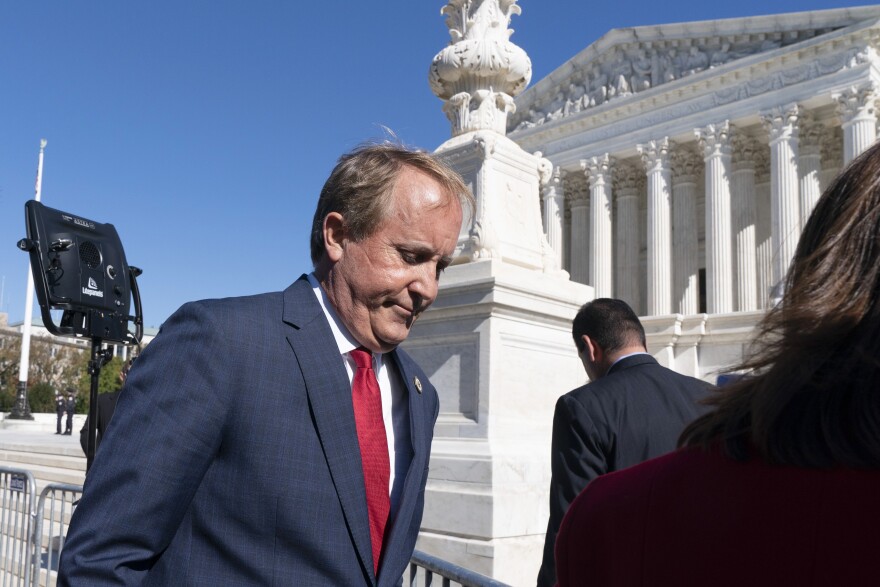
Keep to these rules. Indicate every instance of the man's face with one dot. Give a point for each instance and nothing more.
(381, 284)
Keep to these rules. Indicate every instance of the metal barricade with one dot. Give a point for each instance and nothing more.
(17, 491)
(423, 567)
(57, 501)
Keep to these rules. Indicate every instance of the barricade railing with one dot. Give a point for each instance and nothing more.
(32, 537)
(423, 567)
(53, 512)
(17, 491)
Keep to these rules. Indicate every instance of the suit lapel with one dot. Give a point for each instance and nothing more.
(329, 394)
(396, 541)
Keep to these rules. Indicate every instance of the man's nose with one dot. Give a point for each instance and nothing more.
(424, 286)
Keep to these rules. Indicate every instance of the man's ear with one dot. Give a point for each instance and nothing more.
(593, 351)
(334, 236)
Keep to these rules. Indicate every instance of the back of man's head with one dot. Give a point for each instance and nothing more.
(610, 323)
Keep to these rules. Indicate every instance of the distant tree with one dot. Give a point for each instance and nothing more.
(10, 358)
(108, 380)
(41, 397)
(58, 365)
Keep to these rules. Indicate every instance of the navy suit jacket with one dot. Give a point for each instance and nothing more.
(232, 458)
(634, 413)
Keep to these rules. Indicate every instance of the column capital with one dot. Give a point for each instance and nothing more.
(686, 164)
(598, 170)
(856, 102)
(655, 154)
(628, 180)
(715, 139)
(552, 182)
(781, 122)
(746, 151)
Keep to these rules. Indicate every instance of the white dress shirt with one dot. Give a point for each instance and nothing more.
(395, 412)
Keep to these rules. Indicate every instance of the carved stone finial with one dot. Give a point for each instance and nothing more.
(480, 71)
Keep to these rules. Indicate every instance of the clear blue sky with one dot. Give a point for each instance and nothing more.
(203, 130)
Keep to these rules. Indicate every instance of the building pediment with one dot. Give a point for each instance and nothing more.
(629, 61)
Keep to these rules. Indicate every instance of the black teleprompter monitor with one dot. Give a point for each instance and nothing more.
(79, 267)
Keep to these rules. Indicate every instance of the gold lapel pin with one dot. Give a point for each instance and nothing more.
(418, 384)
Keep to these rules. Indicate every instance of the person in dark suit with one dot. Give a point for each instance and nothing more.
(69, 409)
(60, 407)
(778, 483)
(632, 410)
(237, 444)
(106, 407)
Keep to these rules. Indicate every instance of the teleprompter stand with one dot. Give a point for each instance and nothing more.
(79, 267)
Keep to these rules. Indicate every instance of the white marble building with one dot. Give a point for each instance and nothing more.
(671, 166)
(687, 157)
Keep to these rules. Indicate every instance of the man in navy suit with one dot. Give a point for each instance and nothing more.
(234, 458)
(632, 410)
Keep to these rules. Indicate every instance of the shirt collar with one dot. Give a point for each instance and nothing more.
(619, 359)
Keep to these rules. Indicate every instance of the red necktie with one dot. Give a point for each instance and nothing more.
(374, 446)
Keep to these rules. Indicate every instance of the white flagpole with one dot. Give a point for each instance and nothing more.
(21, 409)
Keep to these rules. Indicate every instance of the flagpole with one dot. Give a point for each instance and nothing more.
(22, 409)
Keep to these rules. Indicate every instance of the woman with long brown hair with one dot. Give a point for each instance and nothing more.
(780, 483)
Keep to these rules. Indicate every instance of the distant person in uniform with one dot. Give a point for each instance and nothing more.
(70, 407)
(60, 408)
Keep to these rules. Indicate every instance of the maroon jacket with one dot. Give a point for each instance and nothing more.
(698, 518)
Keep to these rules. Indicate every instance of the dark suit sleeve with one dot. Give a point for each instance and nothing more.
(136, 494)
(84, 436)
(577, 457)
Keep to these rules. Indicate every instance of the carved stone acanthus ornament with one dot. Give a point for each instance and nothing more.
(781, 122)
(746, 150)
(628, 180)
(715, 139)
(687, 165)
(856, 102)
(655, 155)
(480, 71)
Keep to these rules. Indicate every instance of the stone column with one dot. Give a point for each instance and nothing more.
(715, 141)
(566, 241)
(655, 157)
(812, 136)
(599, 171)
(554, 203)
(855, 106)
(627, 187)
(781, 123)
(743, 193)
(763, 238)
(687, 166)
(580, 222)
(832, 156)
